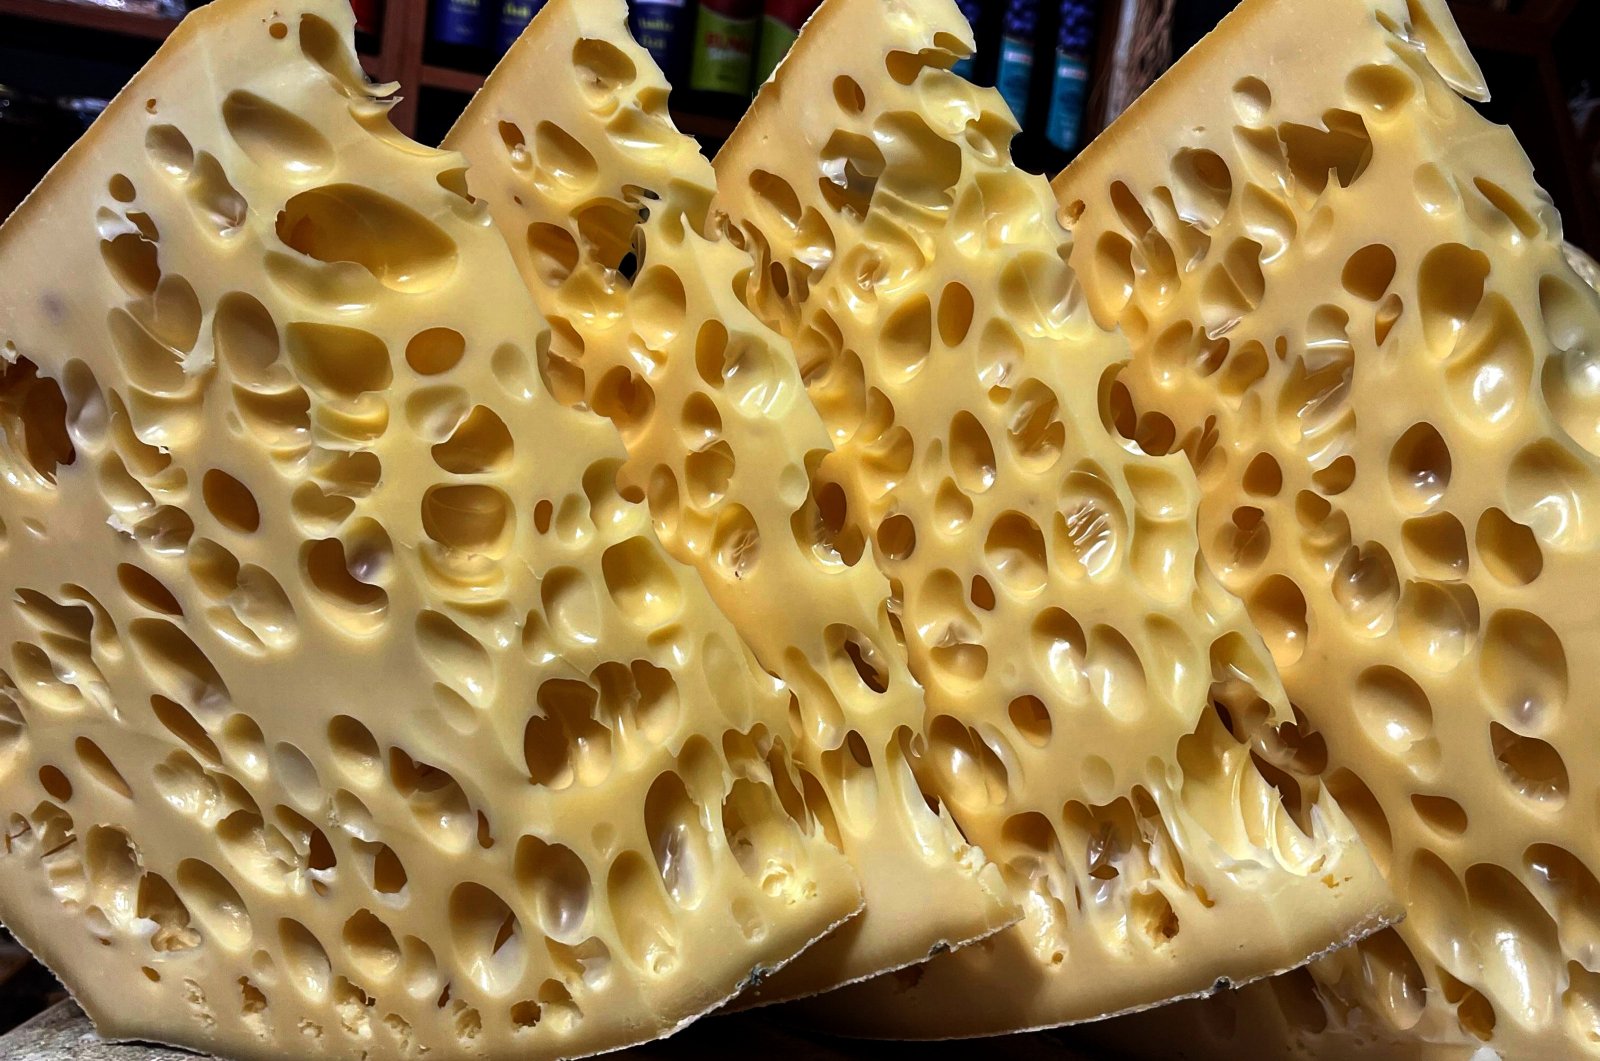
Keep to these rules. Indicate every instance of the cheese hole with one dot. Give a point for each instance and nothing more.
(1031, 719)
(674, 824)
(1251, 99)
(640, 583)
(1383, 87)
(1419, 467)
(1441, 813)
(329, 572)
(736, 542)
(230, 502)
(435, 350)
(1369, 272)
(371, 945)
(33, 422)
(1508, 550)
(55, 783)
(305, 961)
(956, 311)
(1436, 545)
(603, 70)
(215, 904)
(348, 223)
(645, 923)
(1342, 147)
(554, 881)
(1393, 710)
(474, 518)
(847, 93)
(897, 537)
(778, 194)
(480, 443)
(438, 803)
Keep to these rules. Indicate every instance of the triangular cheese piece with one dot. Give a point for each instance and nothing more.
(1096, 693)
(347, 708)
(571, 146)
(1348, 304)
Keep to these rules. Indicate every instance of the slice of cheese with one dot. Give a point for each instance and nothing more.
(571, 147)
(1349, 307)
(346, 707)
(1095, 693)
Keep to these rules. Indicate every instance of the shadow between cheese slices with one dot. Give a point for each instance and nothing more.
(1104, 720)
(347, 707)
(1382, 368)
(571, 146)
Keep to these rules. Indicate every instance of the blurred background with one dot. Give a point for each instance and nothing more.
(1067, 67)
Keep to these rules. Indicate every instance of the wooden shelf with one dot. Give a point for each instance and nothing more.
(448, 78)
(90, 16)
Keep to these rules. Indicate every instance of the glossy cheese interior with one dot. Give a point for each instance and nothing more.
(1350, 310)
(726, 448)
(1102, 713)
(347, 708)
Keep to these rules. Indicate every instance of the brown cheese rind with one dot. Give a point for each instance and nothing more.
(1103, 712)
(580, 173)
(1348, 303)
(347, 708)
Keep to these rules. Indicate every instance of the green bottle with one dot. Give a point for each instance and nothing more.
(724, 46)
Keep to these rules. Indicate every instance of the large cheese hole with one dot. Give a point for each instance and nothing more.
(481, 443)
(556, 883)
(1532, 767)
(274, 137)
(348, 223)
(471, 518)
(639, 908)
(33, 422)
(487, 936)
(674, 823)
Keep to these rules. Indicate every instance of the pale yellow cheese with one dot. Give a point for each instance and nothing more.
(347, 709)
(1100, 705)
(1349, 306)
(571, 147)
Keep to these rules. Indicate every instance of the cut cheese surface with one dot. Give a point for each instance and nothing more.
(347, 709)
(1096, 697)
(1350, 308)
(581, 170)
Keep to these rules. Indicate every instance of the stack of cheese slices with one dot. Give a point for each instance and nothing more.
(511, 600)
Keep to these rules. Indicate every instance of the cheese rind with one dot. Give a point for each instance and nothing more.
(1098, 702)
(725, 446)
(347, 707)
(1327, 259)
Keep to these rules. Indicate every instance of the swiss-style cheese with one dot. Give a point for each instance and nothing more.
(347, 709)
(571, 147)
(1100, 704)
(1349, 307)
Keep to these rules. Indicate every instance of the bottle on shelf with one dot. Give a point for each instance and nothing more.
(369, 23)
(780, 25)
(973, 12)
(724, 48)
(662, 27)
(458, 34)
(514, 18)
(1019, 26)
(1070, 78)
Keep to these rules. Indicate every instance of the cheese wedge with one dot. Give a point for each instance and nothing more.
(571, 146)
(347, 707)
(1095, 693)
(1349, 307)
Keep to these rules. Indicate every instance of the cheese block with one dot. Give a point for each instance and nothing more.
(1099, 705)
(571, 146)
(1350, 309)
(348, 708)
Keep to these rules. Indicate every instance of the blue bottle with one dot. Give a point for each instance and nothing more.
(459, 22)
(661, 26)
(514, 18)
(1014, 72)
(973, 10)
(1069, 83)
